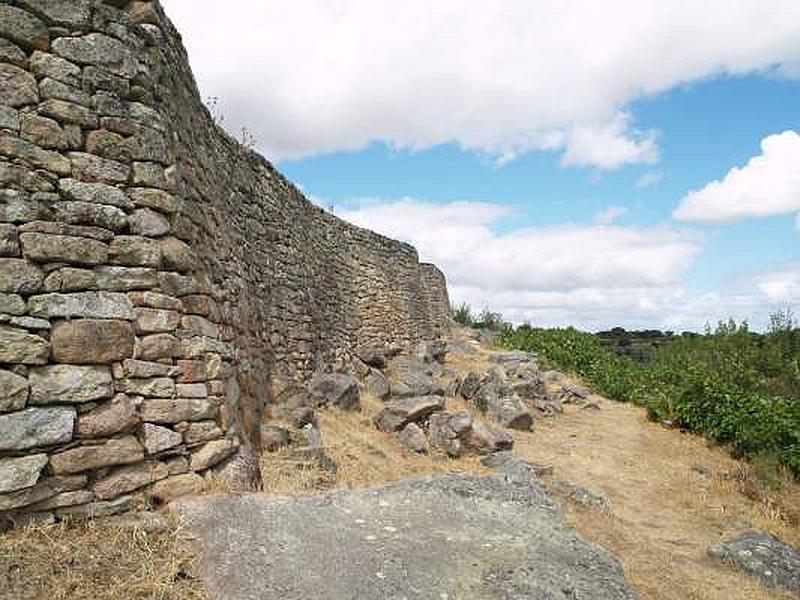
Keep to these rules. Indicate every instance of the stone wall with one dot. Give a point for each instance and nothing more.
(158, 281)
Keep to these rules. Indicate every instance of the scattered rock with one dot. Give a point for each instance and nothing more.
(762, 555)
(377, 385)
(409, 377)
(399, 413)
(413, 437)
(146, 521)
(335, 389)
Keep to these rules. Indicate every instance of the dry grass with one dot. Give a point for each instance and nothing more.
(82, 560)
(672, 495)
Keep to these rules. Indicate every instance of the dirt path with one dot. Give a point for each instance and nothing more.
(672, 495)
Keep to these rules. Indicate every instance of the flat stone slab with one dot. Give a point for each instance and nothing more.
(450, 536)
(763, 556)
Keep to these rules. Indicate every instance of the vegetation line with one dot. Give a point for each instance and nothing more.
(740, 388)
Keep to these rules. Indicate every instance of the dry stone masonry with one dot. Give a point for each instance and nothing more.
(159, 283)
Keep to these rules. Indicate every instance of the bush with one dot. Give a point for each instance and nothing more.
(740, 388)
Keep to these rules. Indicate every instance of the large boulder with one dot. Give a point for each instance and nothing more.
(376, 384)
(450, 536)
(399, 413)
(410, 377)
(413, 438)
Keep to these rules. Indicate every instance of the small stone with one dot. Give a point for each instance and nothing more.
(122, 279)
(175, 410)
(200, 326)
(200, 305)
(27, 322)
(36, 427)
(17, 87)
(129, 478)
(38, 157)
(98, 193)
(176, 284)
(70, 279)
(12, 304)
(156, 300)
(47, 488)
(156, 387)
(149, 223)
(42, 131)
(156, 199)
(22, 472)
(64, 499)
(70, 384)
(97, 49)
(117, 415)
(158, 346)
(157, 438)
(92, 341)
(108, 144)
(212, 453)
(91, 168)
(9, 118)
(118, 451)
(13, 391)
(23, 28)
(73, 113)
(87, 213)
(18, 276)
(43, 65)
(136, 251)
(148, 174)
(177, 465)
(202, 431)
(191, 390)
(19, 346)
(192, 371)
(144, 369)
(177, 255)
(52, 89)
(43, 247)
(413, 438)
(75, 15)
(176, 486)
(12, 54)
(97, 305)
(153, 320)
(199, 345)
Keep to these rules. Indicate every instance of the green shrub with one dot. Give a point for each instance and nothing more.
(737, 387)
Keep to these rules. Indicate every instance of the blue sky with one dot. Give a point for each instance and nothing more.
(542, 166)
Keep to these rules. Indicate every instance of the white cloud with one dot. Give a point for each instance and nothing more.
(781, 284)
(647, 180)
(769, 184)
(609, 145)
(610, 214)
(502, 77)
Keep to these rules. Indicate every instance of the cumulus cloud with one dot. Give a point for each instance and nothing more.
(769, 184)
(502, 77)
